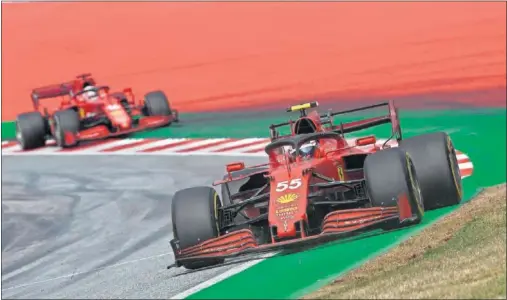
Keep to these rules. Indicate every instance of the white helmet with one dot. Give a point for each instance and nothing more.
(90, 93)
(308, 149)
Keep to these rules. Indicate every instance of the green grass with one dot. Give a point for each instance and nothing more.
(461, 256)
(8, 130)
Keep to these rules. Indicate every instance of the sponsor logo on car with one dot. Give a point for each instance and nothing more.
(287, 198)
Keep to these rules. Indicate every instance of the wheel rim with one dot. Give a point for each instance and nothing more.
(414, 182)
(416, 187)
(453, 160)
(58, 135)
(19, 136)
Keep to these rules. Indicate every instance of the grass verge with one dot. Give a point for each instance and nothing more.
(461, 256)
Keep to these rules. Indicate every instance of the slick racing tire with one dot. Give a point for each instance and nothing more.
(437, 168)
(156, 104)
(389, 174)
(31, 130)
(195, 220)
(65, 121)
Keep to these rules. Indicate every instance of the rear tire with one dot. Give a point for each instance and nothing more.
(31, 130)
(65, 121)
(388, 174)
(437, 168)
(195, 220)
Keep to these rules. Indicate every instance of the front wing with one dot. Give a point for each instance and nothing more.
(102, 132)
(336, 225)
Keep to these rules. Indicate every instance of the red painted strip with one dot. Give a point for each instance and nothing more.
(88, 145)
(463, 160)
(171, 145)
(196, 148)
(30, 150)
(127, 146)
(466, 172)
(10, 144)
(241, 146)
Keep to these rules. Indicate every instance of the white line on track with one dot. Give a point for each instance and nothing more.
(84, 272)
(225, 275)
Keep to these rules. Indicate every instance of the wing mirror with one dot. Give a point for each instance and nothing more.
(233, 167)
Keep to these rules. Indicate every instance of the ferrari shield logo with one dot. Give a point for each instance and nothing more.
(287, 198)
(81, 113)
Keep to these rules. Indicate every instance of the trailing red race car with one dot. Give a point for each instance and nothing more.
(316, 187)
(90, 112)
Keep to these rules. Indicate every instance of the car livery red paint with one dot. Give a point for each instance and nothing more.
(316, 186)
(81, 117)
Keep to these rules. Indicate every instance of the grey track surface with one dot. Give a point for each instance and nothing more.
(96, 227)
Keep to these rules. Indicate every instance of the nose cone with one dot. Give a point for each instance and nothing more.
(124, 125)
(288, 201)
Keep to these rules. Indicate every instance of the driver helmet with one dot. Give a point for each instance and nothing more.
(307, 150)
(90, 92)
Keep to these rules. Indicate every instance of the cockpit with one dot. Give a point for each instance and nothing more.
(302, 147)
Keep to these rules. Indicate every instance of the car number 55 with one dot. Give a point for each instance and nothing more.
(292, 185)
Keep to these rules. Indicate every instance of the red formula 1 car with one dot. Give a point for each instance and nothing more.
(316, 187)
(89, 112)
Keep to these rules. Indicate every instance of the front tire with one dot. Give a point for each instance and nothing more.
(389, 174)
(65, 121)
(195, 220)
(156, 104)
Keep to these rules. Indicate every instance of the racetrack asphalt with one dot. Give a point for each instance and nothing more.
(97, 227)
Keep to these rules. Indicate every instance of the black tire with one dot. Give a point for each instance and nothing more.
(388, 174)
(65, 121)
(437, 168)
(31, 130)
(195, 220)
(156, 104)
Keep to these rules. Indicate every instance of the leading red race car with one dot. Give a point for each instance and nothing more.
(317, 186)
(89, 112)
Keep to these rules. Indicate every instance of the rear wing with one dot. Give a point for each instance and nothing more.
(57, 90)
(390, 117)
(50, 91)
(343, 128)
